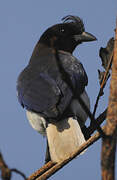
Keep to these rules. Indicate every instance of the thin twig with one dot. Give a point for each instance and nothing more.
(109, 143)
(103, 83)
(99, 121)
(94, 122)
(19, 172)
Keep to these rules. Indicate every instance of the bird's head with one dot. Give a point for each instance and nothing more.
(67, 35)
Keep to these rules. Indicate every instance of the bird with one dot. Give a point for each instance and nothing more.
(49, 86)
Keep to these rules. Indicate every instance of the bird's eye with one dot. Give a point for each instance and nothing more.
(62, 30)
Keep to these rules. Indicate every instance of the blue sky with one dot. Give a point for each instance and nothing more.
(21, 24)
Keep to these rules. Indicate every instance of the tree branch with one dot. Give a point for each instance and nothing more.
(41, 171)
(6, 172)
(109, 143)
(19, 172)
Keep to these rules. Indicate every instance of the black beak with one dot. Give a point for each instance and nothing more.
(84, 37)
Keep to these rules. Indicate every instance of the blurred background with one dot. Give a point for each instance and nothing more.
(21, 25)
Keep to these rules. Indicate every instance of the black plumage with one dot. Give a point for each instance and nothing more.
(49, 87)
(43, 89)
(40, 86)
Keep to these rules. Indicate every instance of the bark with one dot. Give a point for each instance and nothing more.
(109, 142)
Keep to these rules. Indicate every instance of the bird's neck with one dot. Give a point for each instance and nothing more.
(42, 49)
(39, 51)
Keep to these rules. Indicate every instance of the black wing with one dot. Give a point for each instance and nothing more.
(37, 91)
(75, 70)
(44, 91)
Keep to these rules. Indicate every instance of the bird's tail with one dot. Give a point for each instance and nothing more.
(64, 137)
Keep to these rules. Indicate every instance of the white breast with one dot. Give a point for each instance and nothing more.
(37, 122)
